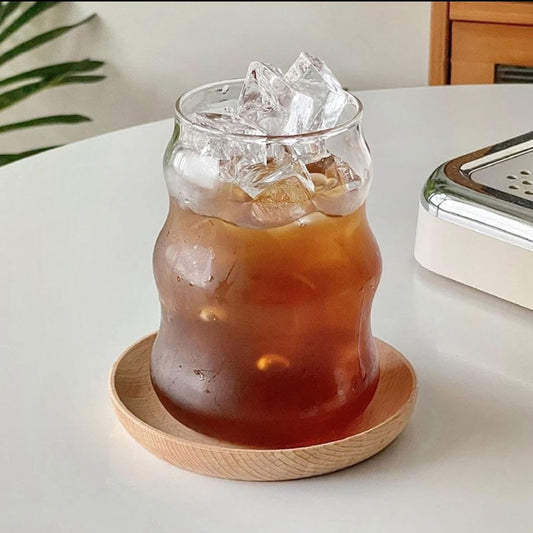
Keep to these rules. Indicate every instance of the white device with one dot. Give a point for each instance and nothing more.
(475, 220)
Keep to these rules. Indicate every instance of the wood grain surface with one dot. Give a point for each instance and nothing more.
(493, 43)
(478, 48)
(499, 12)
(439, 44)
(143, 416)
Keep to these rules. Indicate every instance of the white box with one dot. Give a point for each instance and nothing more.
(475, 220)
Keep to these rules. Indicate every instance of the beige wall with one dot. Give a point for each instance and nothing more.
(156, 50)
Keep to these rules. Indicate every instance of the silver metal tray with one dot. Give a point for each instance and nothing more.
(489, 191)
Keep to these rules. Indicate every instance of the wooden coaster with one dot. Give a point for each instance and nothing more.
(148, 422)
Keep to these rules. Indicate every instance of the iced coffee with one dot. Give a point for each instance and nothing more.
(266, 266)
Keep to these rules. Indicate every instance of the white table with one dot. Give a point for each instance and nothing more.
(77, 226)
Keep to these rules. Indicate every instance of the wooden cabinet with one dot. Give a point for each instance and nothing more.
(481, 42)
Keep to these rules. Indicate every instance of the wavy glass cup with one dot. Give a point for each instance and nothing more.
(265, 336)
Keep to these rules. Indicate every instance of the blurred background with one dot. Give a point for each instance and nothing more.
(154, 51)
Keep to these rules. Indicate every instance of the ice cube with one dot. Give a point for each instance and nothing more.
(345, 174)
(254, 179)
(226, 150)
(320, 181)
(281, 203)
(339, 190)
(195, 140)
(311, 76)
(325, 165)
(289, 190)
(198, 169)
(192, 259)
(193, 179)
(336, 171)
(270, 102)
(226, 123)
(309, 150)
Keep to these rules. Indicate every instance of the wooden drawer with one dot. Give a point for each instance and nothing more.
(478, 47)
(499, 12)
(469, 40)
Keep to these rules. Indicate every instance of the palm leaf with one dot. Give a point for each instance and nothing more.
(87, 65)
(45, 121)
(41, 39)
(9, 158)
(36, 9)
(6, 9)
(13, 96)
(81, 79)
(9, 98)
(41, 78)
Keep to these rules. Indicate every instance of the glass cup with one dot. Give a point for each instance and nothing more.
(266, 269)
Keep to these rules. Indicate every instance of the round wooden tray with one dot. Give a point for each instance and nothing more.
(143, 416)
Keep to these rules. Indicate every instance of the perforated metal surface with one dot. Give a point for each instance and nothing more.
(513, 175)
(489, 191)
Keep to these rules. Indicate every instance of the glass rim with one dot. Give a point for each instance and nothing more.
(182, 118)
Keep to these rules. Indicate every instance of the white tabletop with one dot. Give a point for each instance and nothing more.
(77, 227)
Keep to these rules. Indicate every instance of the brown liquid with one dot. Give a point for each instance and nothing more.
(265, 333)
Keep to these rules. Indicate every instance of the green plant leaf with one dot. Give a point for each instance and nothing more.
(81, 79)
(13, 96)
(7, 9)
(45, 121)
(9, 158)
(87, 65)
(35, 9)
(9, 98)
(41, 78)
(41, 39)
